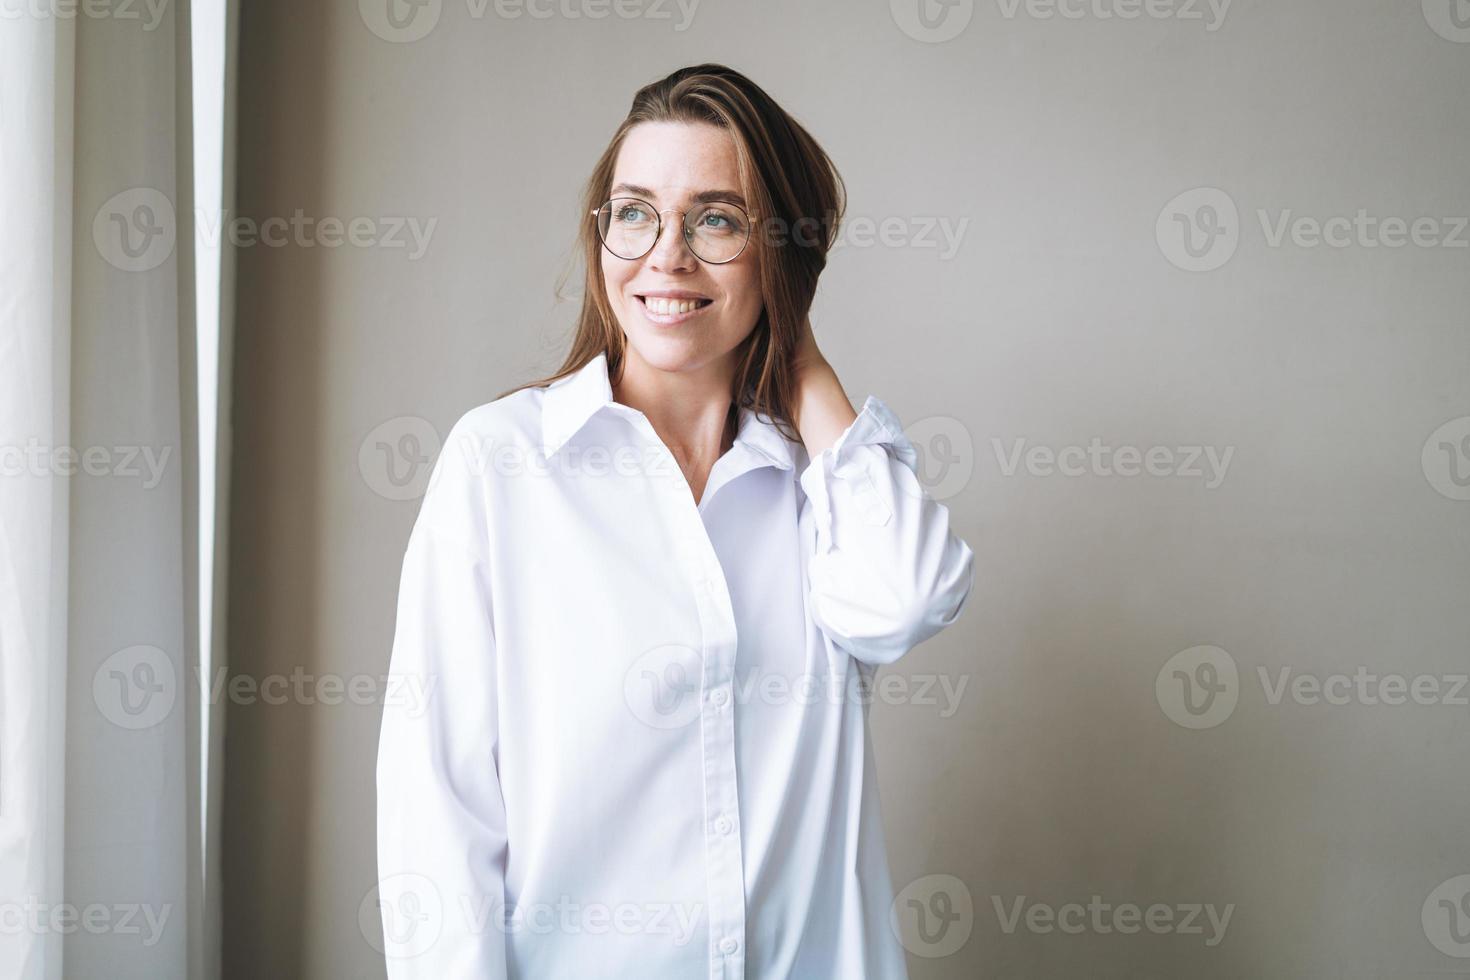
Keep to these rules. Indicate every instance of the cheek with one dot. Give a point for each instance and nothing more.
(614, 278)
(745, 291)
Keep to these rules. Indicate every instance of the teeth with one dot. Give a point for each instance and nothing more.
(665, 306)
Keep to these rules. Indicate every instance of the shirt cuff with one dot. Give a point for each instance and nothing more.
(865, 443)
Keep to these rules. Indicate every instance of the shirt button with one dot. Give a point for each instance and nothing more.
(719, 695)
(723, 825)
(728, 945)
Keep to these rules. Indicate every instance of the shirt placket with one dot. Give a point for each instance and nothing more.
(723, 859)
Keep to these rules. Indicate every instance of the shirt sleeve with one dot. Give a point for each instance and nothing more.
(442, 840)
(887, 572)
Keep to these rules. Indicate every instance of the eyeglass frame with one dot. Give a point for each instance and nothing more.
(684, 213)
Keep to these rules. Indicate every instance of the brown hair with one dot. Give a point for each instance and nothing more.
(790, 185)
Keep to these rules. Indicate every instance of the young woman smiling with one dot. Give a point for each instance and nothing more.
(651, 593)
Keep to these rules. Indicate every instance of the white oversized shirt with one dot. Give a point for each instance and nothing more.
(644, 751)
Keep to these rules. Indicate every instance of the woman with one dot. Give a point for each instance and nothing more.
(648, 597)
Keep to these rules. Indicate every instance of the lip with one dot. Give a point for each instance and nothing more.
(672, 294)
(670, 319)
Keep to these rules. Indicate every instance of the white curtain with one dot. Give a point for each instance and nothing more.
(102, 833)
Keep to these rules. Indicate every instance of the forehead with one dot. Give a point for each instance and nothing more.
(677, 160)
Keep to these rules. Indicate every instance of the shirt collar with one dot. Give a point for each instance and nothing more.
(570, 401)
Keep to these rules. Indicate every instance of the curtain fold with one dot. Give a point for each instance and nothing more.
(103, 829)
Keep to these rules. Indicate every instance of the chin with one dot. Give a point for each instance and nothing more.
(666, 353)
(676, 349)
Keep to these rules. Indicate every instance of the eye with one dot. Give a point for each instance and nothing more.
(716, 220)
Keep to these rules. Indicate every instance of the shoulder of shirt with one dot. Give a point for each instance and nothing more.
(515, 414)
(509, 424)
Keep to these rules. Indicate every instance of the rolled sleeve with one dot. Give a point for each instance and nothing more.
(887, 572)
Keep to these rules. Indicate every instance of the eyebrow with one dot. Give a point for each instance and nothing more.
(703, 197)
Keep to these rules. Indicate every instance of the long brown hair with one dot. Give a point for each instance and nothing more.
(790, 185)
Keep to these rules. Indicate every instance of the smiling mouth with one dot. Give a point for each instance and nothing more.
(663, 307)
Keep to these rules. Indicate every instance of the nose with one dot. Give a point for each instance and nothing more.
(671, 251)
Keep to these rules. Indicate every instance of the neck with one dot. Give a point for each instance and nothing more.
(690, 410)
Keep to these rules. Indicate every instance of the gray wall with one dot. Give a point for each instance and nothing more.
(1333, 539)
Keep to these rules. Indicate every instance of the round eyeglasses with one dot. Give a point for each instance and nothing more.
(716, 233)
